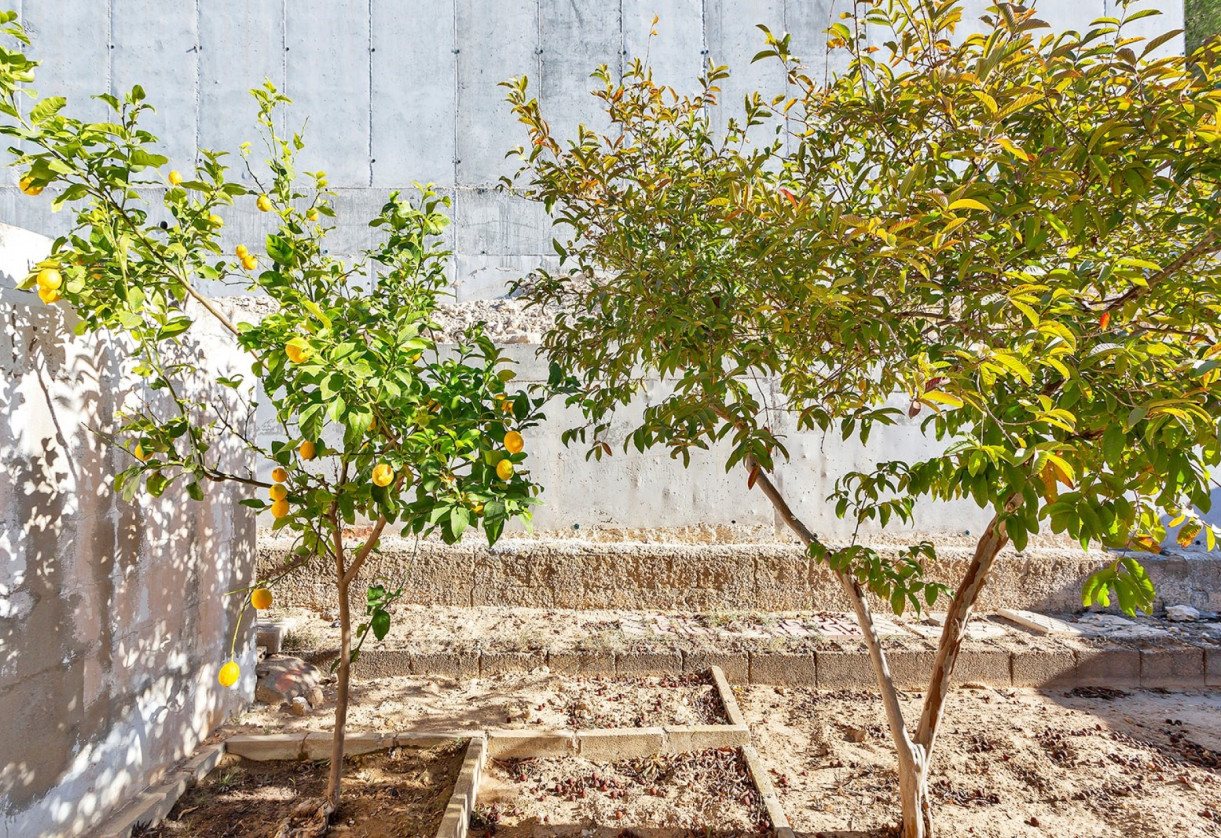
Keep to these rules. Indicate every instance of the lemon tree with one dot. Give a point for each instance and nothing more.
(1018, 231)
(377, 423)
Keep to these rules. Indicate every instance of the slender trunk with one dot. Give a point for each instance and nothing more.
(341, 700)
(342, 582)
(954, 632)
(913, 757)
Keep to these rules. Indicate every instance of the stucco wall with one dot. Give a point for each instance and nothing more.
(113, 619)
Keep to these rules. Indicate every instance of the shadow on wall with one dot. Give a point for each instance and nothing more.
(113, 619)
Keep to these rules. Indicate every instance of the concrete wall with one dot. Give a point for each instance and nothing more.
(113, 619)
(398, 91)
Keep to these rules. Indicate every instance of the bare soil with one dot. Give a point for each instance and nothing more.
(708, 793)
(399, 792)
(523, 700)
(1089, 763)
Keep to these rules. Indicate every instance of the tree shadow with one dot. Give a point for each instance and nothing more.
(113, 619)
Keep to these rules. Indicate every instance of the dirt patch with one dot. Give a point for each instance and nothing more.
(508, 701)
(402, 791)
(705, 793)
(1007, 762)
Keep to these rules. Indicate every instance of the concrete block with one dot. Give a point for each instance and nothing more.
(844, 670)
(414, 94)
(431, 739)
(735, 665)
(319, 745)
(505, 744)
(725, 692)
(72, 49)
(327, 76)
(676, 52)
(793, 669)
(457, 665)
(576, 37)
(620, 743)
(684, 739)
(383, 663)
(1173, 668)
(164, 60)
(462, 800)
(639, 664)
(269, 636)
(1212, 666)
(498, 663)
(730, 43)
(983, 665)
(596, 664)
(240, 45)
(497, 39)
(202, 763)
(910, 668)
(268, 747)
(1044, 668)
(1108, 667)
(767, 792)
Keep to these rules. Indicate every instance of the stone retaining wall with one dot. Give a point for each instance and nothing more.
(703, 577)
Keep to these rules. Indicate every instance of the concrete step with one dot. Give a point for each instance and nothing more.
(800, 649)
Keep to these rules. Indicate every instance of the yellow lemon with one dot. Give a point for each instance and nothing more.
(383, 475)
(229, 674)
(175, 178)
(514, 442)
(260, 598)
(215, 220)
(279, 475)
(263, 203)
(477, 509)
(307, 450)
(297, 350)
(279, 508)
(242, 251)
(28, 187)
(504, 470)
(48, 295)
(140, 453)
(50, 279)
(249, 262)
(278, 492)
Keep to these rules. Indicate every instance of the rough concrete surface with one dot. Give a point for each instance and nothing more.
(113, 615)
(761, 576)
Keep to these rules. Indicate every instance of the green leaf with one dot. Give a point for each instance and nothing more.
(380, 623)
(46, 109)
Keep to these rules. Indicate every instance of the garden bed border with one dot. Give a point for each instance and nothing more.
(155, 803)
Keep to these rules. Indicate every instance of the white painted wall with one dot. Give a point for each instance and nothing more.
(113, 616)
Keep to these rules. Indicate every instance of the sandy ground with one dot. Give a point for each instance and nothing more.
(507, 701)
(1008, 763)
(704, 793)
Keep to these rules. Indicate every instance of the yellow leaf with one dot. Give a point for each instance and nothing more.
(938, 397)
(1013, 365)
(968, 203)
(1007, 145)
(1064, 472)
(1188, 533)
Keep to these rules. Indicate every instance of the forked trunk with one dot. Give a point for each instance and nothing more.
(913, 754)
